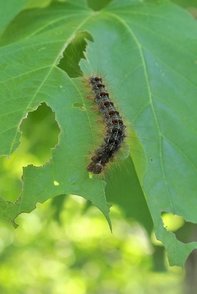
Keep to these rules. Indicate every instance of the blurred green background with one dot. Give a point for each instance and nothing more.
(79, 255)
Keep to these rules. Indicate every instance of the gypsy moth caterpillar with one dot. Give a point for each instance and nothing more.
(115, 128)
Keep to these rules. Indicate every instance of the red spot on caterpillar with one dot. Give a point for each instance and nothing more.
(115, 128)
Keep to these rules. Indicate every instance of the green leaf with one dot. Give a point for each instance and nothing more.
(73, 54)
(124, 190)
(146, 54)
(8, 10)
(186, 3)
(97, 5)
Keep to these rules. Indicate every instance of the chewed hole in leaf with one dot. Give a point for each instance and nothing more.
(40, 133)
(56, 183)
(172, 222)
(73, 53)
(185, 232)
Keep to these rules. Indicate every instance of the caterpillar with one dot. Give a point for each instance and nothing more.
(115, 128)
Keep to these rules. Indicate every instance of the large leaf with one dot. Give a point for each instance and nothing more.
(147, 56)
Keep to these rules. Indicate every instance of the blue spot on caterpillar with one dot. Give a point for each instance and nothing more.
(115, 128)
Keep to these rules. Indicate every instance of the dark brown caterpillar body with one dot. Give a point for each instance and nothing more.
(115, 128)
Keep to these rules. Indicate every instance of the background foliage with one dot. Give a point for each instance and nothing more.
(80, 256)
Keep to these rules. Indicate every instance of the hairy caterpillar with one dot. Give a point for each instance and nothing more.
(115, 128)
